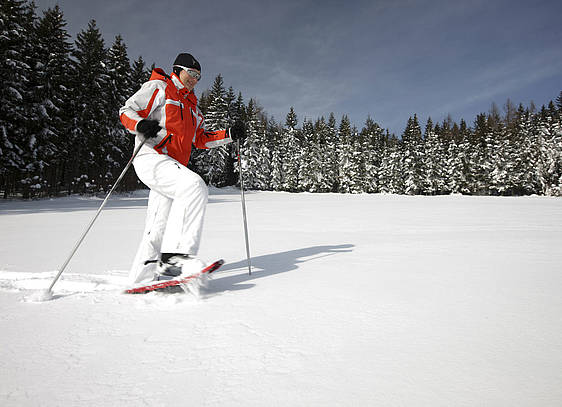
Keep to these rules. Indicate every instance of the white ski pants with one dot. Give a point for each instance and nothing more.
(175, 213)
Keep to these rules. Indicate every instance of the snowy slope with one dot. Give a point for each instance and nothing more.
(354, 300)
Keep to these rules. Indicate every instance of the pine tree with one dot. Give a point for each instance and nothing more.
(17, 145)
(311, 163)
(52, 95)
(497, 152)
(457, 162)
(91, 135)
(526, 158)
(434, 162)
(255, 156)
(319, 153)
(277, 148)
(215, 163)
(121, 86)
(390, 178)
(412, 150)
(139, 73)
(30, 172)
(511, 116)
(238, 110)
(329, 140)
(479, 163)
(372, 146)
(235, 113)
(291, 163)
(549, 138)
(345, 156)
(359, 146)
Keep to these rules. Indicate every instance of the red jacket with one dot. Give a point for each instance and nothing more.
(165, 99)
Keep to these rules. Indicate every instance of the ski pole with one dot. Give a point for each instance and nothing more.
(79, 242)
(244, 207)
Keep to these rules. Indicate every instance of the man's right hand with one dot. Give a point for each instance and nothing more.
(148, 128)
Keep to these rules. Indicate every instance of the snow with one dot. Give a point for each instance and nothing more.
(354, 300)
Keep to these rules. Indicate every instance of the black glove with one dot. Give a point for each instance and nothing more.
(148, 128)
(238, 130)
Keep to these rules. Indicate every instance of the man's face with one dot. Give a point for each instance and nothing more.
(189, 78)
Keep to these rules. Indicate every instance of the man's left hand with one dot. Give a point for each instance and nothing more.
(238, 130)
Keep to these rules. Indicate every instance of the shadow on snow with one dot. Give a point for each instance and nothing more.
(270, 264)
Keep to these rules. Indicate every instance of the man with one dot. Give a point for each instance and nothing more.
(165, 113)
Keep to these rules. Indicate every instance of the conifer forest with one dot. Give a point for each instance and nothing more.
(60, 131)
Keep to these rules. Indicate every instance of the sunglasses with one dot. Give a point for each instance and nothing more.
(190, 72)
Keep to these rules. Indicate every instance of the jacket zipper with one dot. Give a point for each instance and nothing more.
(164, 142)
(192, 118)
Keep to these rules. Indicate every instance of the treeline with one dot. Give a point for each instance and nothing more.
(515, 153)
(60, 131)
(519, 153)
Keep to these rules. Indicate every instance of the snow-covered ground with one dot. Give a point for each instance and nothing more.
(363, 300)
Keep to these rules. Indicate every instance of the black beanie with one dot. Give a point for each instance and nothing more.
(187, 61)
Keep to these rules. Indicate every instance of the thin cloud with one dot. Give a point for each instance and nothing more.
(388, 59)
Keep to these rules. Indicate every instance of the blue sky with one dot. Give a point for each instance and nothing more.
(386, 59)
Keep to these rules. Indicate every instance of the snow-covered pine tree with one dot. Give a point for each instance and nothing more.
(17, 145)
(310, 163)
(203, 101)
(358, 146)
(449, 137)
(479, 164)
(372, 150)
(292, 156)
(412, 152)
(215, 163)
(305, 179)
(197, 161)
(498, 152)
(236, 112)
(31, 178)
(549, 129)
(232, 117)
(90, 136)
(456, 166)
(230, 99)
(277, 148)
(320, 130)
(525, 160)
(345, 149)
(329, 140)
(384, 176)
(391, 179)
(255, 155)
(265, 153)
(433, 161)
(511, 117)
(51, 96)
(323, 134)
(139, 73)
(121, 86)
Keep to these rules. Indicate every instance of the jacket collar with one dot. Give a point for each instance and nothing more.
(182, 90)
(177, 83)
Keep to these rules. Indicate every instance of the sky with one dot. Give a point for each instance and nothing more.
(385, 59)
